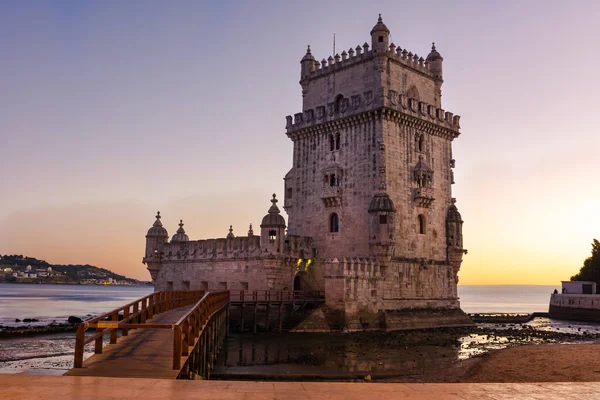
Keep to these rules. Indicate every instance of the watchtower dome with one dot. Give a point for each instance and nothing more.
(380, 36)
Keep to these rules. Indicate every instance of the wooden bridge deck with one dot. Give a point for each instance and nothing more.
(144, 353)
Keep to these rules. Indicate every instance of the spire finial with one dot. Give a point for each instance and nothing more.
(432, 46)
(230, 228)
(308, 49)
(181, 223)
(158, 215)
(379, 20)
(250, 231)
(274, 200)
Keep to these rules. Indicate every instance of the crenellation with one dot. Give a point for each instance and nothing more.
(371, 218)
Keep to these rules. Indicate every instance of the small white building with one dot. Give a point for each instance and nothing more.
(578, 287)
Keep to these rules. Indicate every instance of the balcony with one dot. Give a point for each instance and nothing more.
(331, 196)
(423, 196)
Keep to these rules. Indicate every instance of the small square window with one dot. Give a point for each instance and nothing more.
(383, 219)
(380, 39)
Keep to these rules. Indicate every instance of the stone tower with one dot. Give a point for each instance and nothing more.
(371, 180)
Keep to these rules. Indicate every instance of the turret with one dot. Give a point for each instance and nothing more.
(380, 37)
(454, 224)
(180, 236)
(382, 222)
(307, 65)
(454, 238)
(156, 238)
(272, 230)
(434, 60)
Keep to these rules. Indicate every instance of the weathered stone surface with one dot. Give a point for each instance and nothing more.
(372, 221)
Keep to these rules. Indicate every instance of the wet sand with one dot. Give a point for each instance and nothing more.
(534, 363)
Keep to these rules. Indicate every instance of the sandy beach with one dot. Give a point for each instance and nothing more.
(534, 363)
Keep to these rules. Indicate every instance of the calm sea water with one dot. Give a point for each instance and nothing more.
(53, 353)
(505, 298)
(58, 302)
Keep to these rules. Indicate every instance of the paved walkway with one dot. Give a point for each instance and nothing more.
(146, 353)
(17, 387)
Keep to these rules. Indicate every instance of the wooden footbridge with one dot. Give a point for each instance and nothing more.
(171, 334)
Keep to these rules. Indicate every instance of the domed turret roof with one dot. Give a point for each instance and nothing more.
(434, 55)
(308, 55)
(380, 26)
(180, 236)
(453, 215)
(273, 218)
(381, 202)
(157, 229)
(230, 235)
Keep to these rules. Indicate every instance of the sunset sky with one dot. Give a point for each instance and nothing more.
(111, 110)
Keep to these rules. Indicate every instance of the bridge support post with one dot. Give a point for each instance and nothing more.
(254, 318)
(79, 344)
(279, 323)
(113, 331)
(125, 331)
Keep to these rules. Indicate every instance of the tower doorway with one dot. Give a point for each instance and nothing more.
(298, 282)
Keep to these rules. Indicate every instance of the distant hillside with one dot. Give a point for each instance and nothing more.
(89, 274)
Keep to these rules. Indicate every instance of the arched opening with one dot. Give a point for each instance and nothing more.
(337, 141)
(420, 143)
(413, 93)
(331, 143)
(421, 224)
(272, 235)
(297, 283)
(338, 102)
(334, 223)
(332, 180)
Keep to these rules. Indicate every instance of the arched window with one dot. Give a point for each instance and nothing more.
(421, 224)
(272, 235)
(331, 142)
(413, 93)
(337, 141)
(332, 180)
(420, 143)
(338, 102)
(334, 223)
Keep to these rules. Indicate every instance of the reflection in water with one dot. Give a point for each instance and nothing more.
(335, 356)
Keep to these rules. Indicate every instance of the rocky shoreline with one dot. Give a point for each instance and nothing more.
(31, 330)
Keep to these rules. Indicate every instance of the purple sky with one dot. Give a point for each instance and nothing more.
(112, 110)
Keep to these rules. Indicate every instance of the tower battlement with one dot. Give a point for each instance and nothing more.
(362, 53)
(357, 104)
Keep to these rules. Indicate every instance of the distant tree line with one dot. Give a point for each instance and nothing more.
(590, 271)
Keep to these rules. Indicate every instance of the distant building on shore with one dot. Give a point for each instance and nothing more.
(372, 221)
(577, 300)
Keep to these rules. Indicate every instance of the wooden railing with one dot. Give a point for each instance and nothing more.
(199, 335)
(273, 296)
(134, 315)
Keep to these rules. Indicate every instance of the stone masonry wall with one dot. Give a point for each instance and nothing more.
(242, 274)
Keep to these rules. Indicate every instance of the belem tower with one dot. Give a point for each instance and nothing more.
(371, 218)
